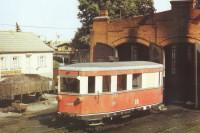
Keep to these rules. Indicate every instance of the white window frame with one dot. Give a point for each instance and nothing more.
(83, 84)
(113, 83)
(98, 84)
(42, 61)
(3, 65)
(129, 82)
(15, 62)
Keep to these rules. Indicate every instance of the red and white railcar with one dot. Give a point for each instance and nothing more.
(97, 90)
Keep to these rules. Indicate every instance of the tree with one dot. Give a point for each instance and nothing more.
(81, 38)
(197, 4)
(88, 9)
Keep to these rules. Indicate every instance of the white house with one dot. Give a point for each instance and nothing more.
(24, 53)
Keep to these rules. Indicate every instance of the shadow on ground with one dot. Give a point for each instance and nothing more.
(70, 125)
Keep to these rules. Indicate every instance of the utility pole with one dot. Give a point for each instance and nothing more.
(18, 29)
(0, 72)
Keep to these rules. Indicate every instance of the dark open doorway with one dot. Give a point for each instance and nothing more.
(133, 52)
(103, 52)
(179, 73)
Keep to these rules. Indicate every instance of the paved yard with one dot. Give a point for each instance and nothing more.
(175, 120)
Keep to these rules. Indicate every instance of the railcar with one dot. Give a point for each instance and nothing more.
(96, 91)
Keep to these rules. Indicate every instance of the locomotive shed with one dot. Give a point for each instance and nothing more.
(170, 38)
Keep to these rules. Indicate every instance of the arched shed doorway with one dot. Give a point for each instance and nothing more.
(104, 53)
(133, 52)
(180, 73)
(139, 52)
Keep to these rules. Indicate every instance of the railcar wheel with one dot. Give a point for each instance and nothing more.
(94, 123)
(159, 108)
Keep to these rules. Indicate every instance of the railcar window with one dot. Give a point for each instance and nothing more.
(106, 83)
(137, 81)
(71, 85)
(121, 82)
(91, 84)
(150, 80)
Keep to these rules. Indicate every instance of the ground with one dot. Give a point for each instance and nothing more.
(43, 120)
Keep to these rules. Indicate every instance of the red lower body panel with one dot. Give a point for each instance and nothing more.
(83, 105)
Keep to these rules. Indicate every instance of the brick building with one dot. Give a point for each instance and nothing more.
(171, 37)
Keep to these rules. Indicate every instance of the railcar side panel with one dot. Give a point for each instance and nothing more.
(69, 104)
(108, 103)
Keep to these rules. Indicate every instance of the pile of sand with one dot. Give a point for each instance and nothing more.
(23, 84)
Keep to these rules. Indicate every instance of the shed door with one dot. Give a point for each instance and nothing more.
(197, 75)
(180, 73)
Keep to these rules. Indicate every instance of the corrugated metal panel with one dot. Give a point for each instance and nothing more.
(11, 41)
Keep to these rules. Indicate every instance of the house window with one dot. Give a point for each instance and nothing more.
(3, 63)
(173, 55)
(137, 81)
(15, 62)
(42, 61)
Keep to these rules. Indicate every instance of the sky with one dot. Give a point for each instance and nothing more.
(49, 19)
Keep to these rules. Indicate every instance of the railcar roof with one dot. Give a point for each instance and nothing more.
(104, 66)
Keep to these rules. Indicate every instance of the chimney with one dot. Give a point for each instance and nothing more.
(103, 8)
(103, 12)
(103, 15)
(18, 29)
(181, 4)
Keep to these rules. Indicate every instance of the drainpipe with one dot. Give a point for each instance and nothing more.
(63, 61)
(196, 76)
(0, 73)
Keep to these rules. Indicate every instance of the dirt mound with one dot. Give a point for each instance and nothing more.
(23, 84)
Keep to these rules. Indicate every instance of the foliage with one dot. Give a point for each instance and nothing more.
(81, 38)
(56, 64)
(197, 4)
(88, 9)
